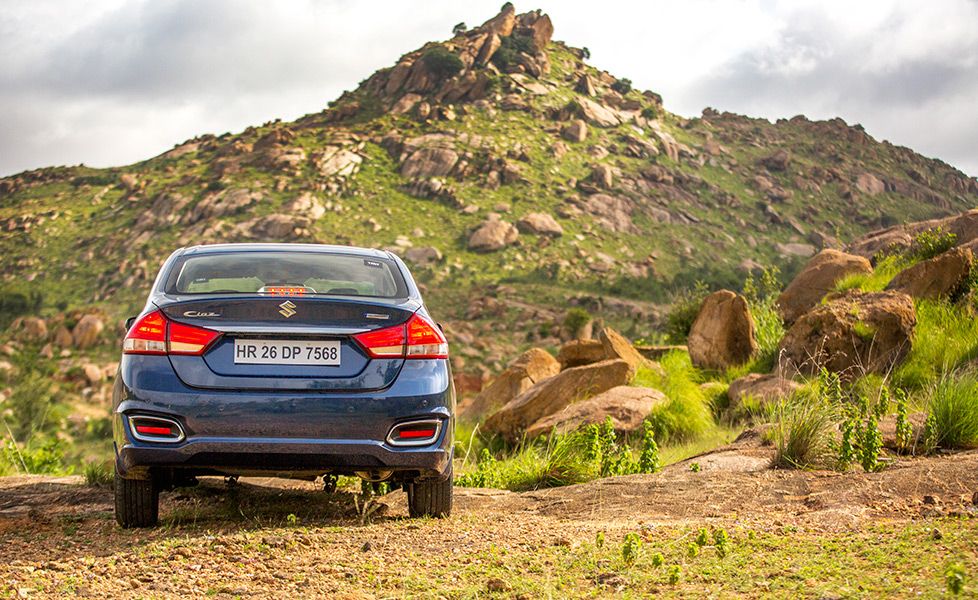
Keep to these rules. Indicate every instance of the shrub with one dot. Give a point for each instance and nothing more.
(648, 461)
(460, 28)
(685, 306)
(575, 319)
(509, 50)
(803, 431)
(930, 243)
(622, 86)
(953, 412)
(945, 338)
(762, 295)
(630, 549)
(904, 431)
(97, 473)
(15, 304)
(650, 113)
(687, 413)
(870, 445)
(45, 458)
(442, 62)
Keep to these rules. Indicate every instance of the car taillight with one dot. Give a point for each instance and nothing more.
(418, 338)
(147, 335)
(155, 334)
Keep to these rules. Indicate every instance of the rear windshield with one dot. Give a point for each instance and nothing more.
(297, 273)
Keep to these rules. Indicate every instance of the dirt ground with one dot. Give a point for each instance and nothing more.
(267, 538)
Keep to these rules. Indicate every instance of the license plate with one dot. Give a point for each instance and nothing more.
(286, 352)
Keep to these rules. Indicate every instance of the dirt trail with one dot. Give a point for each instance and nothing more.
(263, 537)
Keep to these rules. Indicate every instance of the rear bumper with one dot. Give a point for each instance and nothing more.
(286, 457)
(295, 433)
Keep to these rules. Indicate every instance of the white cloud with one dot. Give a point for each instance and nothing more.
(108, 82)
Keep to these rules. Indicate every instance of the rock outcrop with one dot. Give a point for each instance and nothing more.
(941, 276)
(531, 367)
(627, 406)
(580, 352)
(764, 388)
(554, 394)
(723, 333)
(493, 234)
(851, 334)
(817, 279)
(87, 331)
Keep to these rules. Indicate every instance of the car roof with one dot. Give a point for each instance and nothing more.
(312, 248)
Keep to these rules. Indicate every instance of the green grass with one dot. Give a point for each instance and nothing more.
(953, 411)
(803, 430)
(886, 269)
(946, 338)
(687, 415)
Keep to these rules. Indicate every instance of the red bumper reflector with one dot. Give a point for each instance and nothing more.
(413, 434)
(151, 430)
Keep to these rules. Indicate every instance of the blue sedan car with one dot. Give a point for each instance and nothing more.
(287, 360)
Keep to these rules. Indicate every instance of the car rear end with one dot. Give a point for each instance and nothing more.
(283, 360)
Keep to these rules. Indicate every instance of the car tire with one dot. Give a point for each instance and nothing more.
(431, 498)
(137, 502)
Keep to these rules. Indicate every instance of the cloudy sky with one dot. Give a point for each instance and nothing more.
(110, 82)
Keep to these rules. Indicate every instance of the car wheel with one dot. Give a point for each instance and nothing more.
(137, 502)
(430, 498)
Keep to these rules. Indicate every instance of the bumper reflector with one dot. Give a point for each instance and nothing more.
(155, 429)
(415, 433)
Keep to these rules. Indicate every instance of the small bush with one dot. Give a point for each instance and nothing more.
(685, 307)
(575, 320)
(15, 304)
(762, 295)
(650, 113)
(945, 338)
(442, 62)
(630, 549)
(648, 461)
(803, 432)
(509, 50)
(930, 243)
(687, 414)
(904, 431)
(97, 473)
(460, 28)
(43, 458)
(953, 412)
(622, 86)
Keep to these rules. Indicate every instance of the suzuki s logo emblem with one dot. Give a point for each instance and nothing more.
(288, 309)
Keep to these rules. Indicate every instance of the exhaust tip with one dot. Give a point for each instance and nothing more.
(415, 433)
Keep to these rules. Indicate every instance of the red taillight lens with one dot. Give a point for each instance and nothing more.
(154, 334)
(147, 335)
(425, 340)
(413, 434)
(187, 339)
(418, 338)
(383, 343)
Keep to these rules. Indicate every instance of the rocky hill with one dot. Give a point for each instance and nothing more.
(517, 178)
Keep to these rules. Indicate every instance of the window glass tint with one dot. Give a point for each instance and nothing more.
(312, 273)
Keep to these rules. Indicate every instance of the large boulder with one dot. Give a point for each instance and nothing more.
(616, 346)
(818, 278)
(540, 224)
(531, 367)
(723, 333)
(429, 162)
(627, 406)
(851, 333)
(87, 331)
(575, 131)
(935, 278)
(493, 234)
(553, 394)
(765, 388)
(580, 352)
(34, 329)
